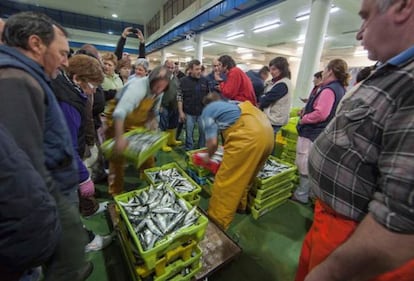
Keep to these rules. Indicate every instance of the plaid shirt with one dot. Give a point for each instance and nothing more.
(364, 160)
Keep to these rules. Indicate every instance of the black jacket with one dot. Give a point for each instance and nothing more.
(192, 91)
(29, 224)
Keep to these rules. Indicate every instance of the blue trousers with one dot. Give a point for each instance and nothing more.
(191, 121)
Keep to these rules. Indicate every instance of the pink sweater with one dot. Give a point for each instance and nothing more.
(322, 107)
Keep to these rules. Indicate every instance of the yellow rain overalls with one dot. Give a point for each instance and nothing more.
(137, 118)
(247, 145)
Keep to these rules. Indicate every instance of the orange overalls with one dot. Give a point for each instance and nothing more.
(329, 230)
(248, 143)
(137, 118)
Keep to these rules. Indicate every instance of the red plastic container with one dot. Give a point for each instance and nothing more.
(211, 165)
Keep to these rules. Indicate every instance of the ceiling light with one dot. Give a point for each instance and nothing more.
(241, 50)
(266, 27)
(187, 59)
(301, 40)
(246, 56)
(110, 32)
(207, 43)
(302, 17)
(305, 16)
(235, 35)
(169, 55)
(188, 48)
(360, 52)
(334, 9)
(115, 16)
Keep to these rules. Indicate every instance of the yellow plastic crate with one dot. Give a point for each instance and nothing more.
(173, 260)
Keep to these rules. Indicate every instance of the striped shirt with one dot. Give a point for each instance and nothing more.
(364, 160)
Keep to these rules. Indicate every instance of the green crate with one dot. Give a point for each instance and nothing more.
(189, 196)
(132, 157)
(260, 203)
(263, 193)
(195, 232)
(200, 171)
(256, 214)
(195, 201)
(274, 180)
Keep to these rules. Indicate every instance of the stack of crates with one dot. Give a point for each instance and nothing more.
(269, 193)
(200, 175)
(193, 197)
(290, 138)
(176, 257)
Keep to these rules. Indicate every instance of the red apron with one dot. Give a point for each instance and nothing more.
(328, 231)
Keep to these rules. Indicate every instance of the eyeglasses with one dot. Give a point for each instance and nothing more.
(92, 86)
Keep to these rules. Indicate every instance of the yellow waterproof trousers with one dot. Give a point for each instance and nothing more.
(247, 145)
(135, 119)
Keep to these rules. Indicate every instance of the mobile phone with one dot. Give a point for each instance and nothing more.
(134, 30)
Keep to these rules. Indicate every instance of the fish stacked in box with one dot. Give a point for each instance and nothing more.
(177, 179)
(273, 186)
(141, 145)
(162, 232)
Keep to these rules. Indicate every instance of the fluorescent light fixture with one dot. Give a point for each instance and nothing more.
(207, 43)
(306, 16)
(169, 55)
(334, 9)
(188, 48)
(115, 16)
(246, 56)
(301, 41)
(266, 27)
(360, 53)
(241, 50)
(235, 35)
(303, 17)
(187, 59)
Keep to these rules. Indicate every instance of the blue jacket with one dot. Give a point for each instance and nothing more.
(29, 224)
(258, 83)
(58, 149)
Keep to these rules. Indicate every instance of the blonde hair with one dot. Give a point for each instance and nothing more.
(110, 57)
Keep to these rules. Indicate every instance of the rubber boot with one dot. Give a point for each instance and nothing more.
(172, 139)
(166, 148)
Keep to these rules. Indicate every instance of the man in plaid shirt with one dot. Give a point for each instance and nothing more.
(361, 167)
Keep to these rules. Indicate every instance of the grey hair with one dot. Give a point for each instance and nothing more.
(383, 5)
(159, 73)
(142, 62)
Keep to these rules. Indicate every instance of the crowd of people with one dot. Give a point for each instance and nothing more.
(354, 154)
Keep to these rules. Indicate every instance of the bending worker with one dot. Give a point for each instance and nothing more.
(248, 142)
(138, 102)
